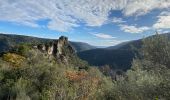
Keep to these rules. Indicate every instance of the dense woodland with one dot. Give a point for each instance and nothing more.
(27, 74)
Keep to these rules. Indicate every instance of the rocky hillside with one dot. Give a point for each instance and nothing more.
(59, 49)
(8, 41)
(49, 71)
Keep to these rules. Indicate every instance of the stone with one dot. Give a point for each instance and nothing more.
(60, 48)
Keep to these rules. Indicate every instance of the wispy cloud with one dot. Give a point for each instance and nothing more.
(106, 42)
(111, 42)
(103, 35)
(142, 7)
(65, 15)
(133, 29)
(118, 20)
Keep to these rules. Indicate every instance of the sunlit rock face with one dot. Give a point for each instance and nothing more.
(60, 48)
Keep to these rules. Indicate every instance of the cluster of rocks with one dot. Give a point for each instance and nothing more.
(60, 48)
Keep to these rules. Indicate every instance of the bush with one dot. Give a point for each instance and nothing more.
(148, 78)
(157, 50)
(22, 49)
(14, 59)
(41, 78)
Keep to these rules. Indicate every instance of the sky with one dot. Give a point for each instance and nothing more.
(97, 22)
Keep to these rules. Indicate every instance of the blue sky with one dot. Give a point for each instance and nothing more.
(97, 22)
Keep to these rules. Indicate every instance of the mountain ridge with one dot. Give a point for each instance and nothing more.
(8, 41)
(117, 57)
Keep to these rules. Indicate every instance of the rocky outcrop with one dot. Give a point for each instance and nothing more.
(60, 49)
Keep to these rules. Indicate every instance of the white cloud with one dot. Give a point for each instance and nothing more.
(163, 21)
(106, 42)
(63, 14)
(118, 20)
(133, 29)
(115, 42)
(67, 14)
(165, 13)
(160, 31)
(141, 7)
(166, 31)
(103, 35)
(111, 42)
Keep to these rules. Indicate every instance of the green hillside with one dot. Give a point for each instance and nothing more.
(117, 57)
(53, 71)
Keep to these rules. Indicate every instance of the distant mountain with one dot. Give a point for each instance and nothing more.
(118, 46)
(127, 45)
(133, 44)
(118, 57)
(80, 46)
(7, 41)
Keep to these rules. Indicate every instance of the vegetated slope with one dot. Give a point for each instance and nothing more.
(7, 41)
(119, 56)
(49, 71)
(117, 59)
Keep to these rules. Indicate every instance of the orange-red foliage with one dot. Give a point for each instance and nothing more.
(76, 75)
(87, 84)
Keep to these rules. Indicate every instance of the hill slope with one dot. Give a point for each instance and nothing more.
(80, 46)
(118, 59)
(135, 43)
(119, 56)
(49, 71)
(9, 41)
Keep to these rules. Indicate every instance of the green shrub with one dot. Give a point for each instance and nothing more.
(14, 59)
(41, 78)
(148, 78)
(23, 49)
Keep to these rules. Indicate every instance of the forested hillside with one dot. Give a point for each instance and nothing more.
(117, 57)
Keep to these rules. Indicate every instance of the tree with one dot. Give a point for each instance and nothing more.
(157, 50)
(148, 77)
